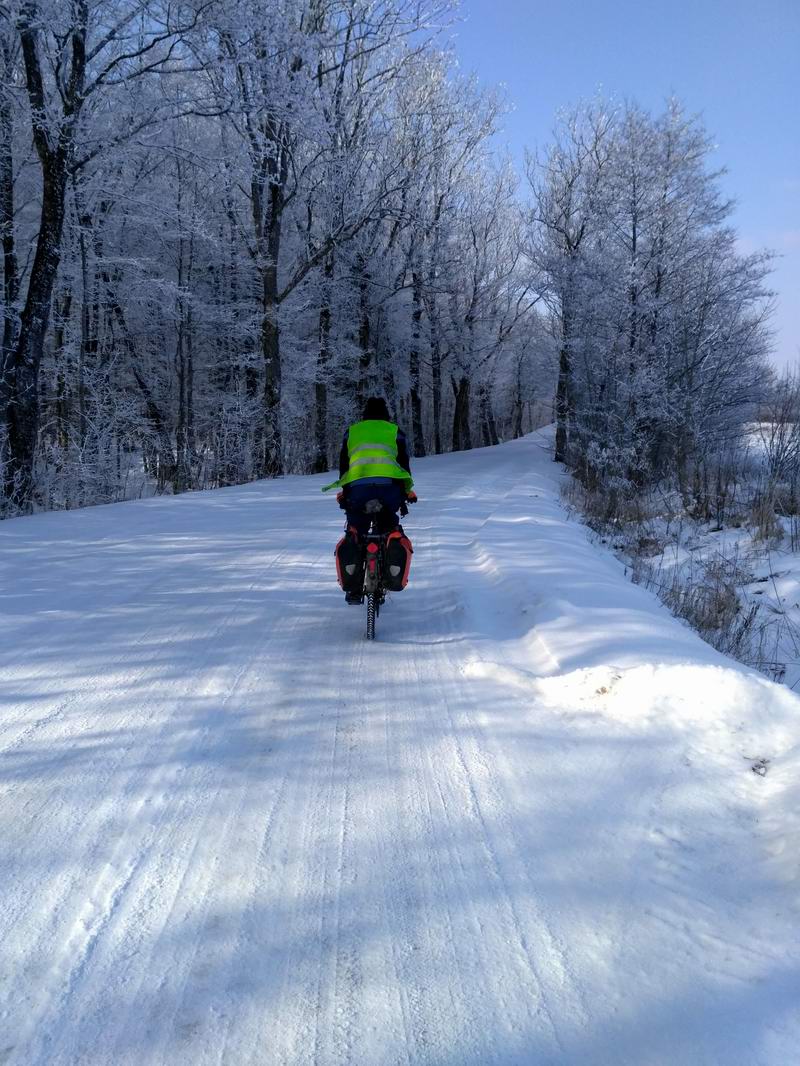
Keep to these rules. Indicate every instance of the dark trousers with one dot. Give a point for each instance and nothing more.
(359, 496)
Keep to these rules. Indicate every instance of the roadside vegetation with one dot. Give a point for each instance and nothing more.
(724, 555)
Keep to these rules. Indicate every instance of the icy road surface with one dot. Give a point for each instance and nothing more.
(538, 821)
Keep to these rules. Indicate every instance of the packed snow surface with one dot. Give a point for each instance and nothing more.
(537, 821)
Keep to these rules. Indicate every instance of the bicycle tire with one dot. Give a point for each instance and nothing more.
(370, 616)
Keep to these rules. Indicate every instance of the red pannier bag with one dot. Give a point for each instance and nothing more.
(398, 560)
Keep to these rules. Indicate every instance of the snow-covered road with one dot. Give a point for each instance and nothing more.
(522, 827)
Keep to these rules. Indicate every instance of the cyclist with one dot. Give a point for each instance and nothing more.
(375, 483)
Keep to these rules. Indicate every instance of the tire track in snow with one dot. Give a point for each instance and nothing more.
(197, 887)
(252, 834)
(479, 787)
(340, 975)
(321, 964)
(89, 685)
(104, 767)
(96, 914)
(432, 914)
(383, 852)
(288, 841)
(499, 926)
(478, 766)
(432, 967)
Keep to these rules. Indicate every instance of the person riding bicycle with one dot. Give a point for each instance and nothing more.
(375, 483)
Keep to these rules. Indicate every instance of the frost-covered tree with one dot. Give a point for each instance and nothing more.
(661, 323)
(77, 59)
(226, 222)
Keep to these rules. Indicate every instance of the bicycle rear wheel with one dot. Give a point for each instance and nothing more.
(371, 615)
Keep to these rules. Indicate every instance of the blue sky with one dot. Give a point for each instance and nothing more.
(736, 63)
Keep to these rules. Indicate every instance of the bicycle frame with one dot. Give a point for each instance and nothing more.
(374, 589)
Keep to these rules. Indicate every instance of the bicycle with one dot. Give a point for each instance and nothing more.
(374, 568)
(381, 570)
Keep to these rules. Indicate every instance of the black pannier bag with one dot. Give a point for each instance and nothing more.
(350, 563)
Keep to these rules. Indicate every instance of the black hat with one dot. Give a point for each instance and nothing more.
(375, 408)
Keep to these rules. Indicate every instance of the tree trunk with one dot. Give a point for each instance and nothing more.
(272, 465)
(414, 373)
(516, 423)
(321, 385)
(10, 269)
(181, 476)
(488, 424)
(562, 406)
(191, 439)
(270, 348)
(64, 309)
(364, 337)
(436, 376)
(462, 435)
(435, 339)
(54, 156)
(23, 409)
(230, 353)
(90, 312)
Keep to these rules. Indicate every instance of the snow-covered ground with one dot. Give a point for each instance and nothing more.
(763, 573)
(538, 821)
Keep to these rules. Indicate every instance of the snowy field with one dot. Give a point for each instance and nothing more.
(538, 821)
